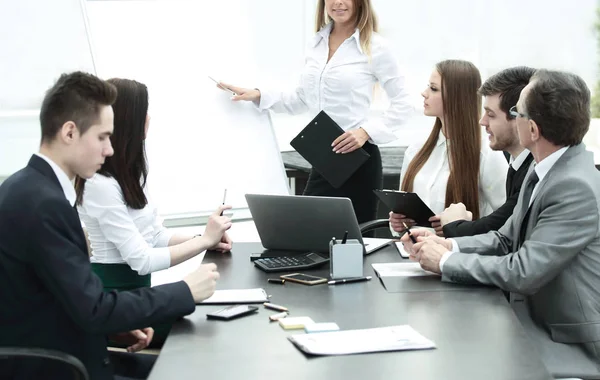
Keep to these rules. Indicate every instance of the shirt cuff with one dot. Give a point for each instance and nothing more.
(378, 132)
(445, 257)
(160, 259)
(455, 247)
(267, 99)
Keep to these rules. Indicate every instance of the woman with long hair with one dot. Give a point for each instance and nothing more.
(344, 61)
(127, 238)
(454, 164)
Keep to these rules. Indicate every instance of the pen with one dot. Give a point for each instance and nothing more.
(345, 237)
(224, 197)
(272, 306)
(412, 238)
(278, 316)
(222, 87)
(333, 240)
(349, 280)
(280, 281)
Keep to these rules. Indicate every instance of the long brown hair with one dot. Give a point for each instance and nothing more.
(462, 107)
(128, 164)
(366, 21)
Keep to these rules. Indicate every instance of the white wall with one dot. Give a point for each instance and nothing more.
(493, 34)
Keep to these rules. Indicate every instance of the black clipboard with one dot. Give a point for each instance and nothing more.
(409, 204)
(314, 144)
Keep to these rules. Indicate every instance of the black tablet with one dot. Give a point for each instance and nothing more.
(409, 204)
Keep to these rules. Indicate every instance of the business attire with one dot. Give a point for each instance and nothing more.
(431, 181)
(492, 222)
(343, 88)
(127, 244)
(50, 297)
(547, 254)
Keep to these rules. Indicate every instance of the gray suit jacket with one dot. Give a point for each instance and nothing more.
(557, 269)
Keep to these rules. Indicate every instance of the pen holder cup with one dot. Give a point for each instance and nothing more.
(346, 259)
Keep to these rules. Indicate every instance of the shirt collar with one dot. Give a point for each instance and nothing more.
(326, 31)
(516, 162)
(441, 139)
(543, 167)
(63, 179)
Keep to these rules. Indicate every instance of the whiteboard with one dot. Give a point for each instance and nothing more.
(39, 40)
(199, 142)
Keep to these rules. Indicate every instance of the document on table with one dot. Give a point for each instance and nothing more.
(410, 269)
(234, 296)
(393, 338)
(400, 248)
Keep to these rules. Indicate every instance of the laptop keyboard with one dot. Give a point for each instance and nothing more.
(290, 263)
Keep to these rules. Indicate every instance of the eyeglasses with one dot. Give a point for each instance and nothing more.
(514, 113)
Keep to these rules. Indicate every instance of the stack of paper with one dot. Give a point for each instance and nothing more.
(394, 338)
(408, 269)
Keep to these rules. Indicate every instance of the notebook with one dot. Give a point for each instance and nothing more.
(409, 204)
(314, 144)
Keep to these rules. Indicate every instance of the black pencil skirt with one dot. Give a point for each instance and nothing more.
(359, 187)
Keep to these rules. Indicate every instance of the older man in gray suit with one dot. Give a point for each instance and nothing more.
(548, 253)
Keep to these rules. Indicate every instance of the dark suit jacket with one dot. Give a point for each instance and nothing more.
(49, 296)
(496, 219)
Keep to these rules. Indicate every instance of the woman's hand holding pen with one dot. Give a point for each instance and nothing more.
(436, 224)
(350, 141)
(215, 231)
(248, 94)
(397, 222)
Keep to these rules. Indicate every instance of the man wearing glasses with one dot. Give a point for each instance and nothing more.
(500, 92)
(548, 252)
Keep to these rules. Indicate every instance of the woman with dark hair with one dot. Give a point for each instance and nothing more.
(127, 237)
(454, 164)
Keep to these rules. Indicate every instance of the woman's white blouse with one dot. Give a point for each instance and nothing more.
(343, 87)
(119, 234)
(430, 182)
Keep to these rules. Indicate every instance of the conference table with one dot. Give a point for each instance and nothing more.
(476, 333)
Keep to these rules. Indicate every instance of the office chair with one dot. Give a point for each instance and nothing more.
(382, 225)
(78, 369)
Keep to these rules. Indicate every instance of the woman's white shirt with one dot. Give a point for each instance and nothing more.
(120, 234)
(343, 87)
(430, 182)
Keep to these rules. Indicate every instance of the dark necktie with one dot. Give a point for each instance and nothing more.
(509, 179)
(532, 180)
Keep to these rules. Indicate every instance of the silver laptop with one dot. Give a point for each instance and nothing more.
(305, 223)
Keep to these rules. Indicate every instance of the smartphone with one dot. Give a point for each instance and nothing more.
(232, 312)
(305, 279)
(224, 88)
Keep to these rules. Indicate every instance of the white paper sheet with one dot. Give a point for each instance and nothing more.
(233, 296)
(393, 338)
(373, 244)
(410, 269)
(401, 249)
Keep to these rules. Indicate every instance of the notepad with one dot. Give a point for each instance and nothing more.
(394, 338)
(235, 296)
(321, 327)
(295, 323)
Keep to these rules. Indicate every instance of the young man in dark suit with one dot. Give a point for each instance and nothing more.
(50, 297)
(501, 91)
